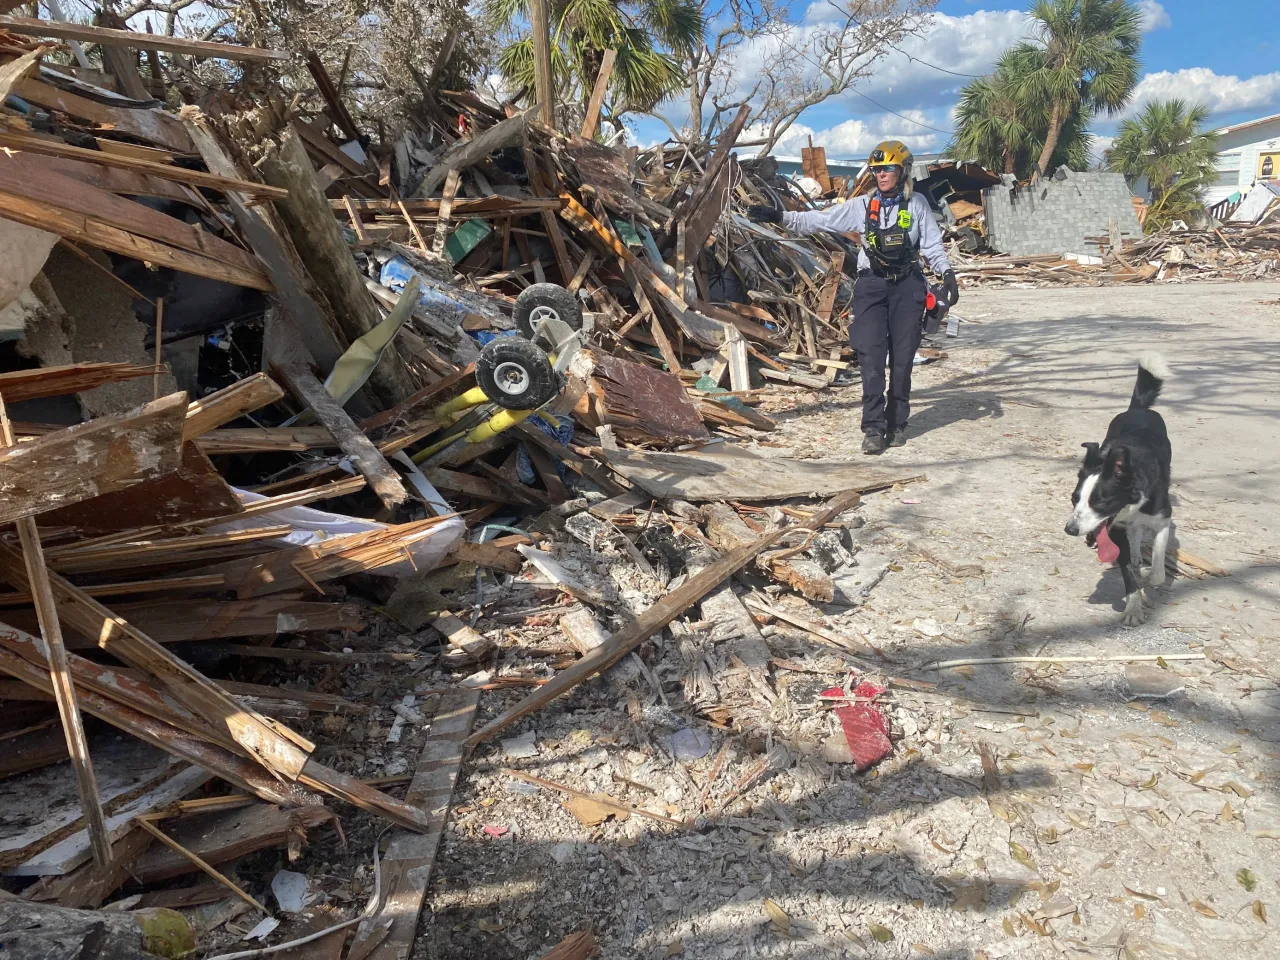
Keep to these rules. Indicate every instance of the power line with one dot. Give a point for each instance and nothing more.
(971, 76)
(906, 118)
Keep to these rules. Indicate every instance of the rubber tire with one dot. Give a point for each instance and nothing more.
(550, 295)
(540, 378)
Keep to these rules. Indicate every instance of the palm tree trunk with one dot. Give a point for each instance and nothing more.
(1009, 165)
(1056, 119)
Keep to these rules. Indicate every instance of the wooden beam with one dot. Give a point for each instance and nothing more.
(654, 619)
(406, 867)
(107, 37)
(465, 153)
(332, 99)
(229, 403)
(543, 80)
(66, 379)
(63, 690)
(154, 126)
(101, 456)
(451, 184)
(592, 119)
(99, 233)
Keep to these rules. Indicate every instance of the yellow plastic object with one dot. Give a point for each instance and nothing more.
(500, 421)
(471, 398)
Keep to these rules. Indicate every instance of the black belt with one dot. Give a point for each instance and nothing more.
(907, 271)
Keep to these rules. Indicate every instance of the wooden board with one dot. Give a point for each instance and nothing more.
(181, 620)
(194, 491)
(406, 867)
(34, 178)
(90, 459)
(744, 476)
(106, 36)
(66, 379)
(225, 835)
(155, 126)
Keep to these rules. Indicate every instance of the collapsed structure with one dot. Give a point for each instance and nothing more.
(270, 413)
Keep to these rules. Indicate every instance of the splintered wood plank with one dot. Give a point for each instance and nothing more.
(69, 378)
(90, 459)
(155, 126)
(164, 171)
(194, 491)
(229, 403)
(182, 620)
(406, 867)
(827, 301)
(106, 36)
(63, 691)
(592, 119)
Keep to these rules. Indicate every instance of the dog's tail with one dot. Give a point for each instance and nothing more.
(1152, 373)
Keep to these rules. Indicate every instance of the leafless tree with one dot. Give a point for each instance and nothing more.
(807, 53)
(828, 56)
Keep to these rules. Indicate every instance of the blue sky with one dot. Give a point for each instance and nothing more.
(1225, 54)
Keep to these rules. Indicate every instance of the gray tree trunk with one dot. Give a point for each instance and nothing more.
(40, 931)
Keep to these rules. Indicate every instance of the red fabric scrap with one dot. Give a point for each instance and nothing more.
(866, 728)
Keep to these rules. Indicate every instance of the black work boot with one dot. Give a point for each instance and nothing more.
(898, 437)
(873, 442)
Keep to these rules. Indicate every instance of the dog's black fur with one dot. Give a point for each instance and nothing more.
(1123, 485)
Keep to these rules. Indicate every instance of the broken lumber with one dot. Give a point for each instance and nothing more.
(63, 690)
(87, 460)
(229, 403)
(66, 379)
(42, 931)
(466, 153)
(107, 37)
(654, 619)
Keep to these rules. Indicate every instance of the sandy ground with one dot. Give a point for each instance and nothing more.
(1113, 825)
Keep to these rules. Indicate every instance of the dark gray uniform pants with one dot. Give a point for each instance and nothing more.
(886, 327)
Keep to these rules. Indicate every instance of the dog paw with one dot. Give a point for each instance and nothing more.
(1134, 610)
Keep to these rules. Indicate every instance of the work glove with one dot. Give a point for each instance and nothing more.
(758, 213)
(951, 287)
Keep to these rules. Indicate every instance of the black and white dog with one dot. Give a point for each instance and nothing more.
(1123, 490)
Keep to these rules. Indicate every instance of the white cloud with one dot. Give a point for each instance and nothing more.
(967, 45)
(853, 139)
(1154, 16)
(1221, 94)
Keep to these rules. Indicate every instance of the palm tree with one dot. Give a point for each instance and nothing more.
(999, 125)
(993, 122)
(1167, 145)
(1086, 55)
(650, 36)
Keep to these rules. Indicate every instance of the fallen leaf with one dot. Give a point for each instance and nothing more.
(1008, 927)
(1139, 894)
(495, 830)
(1245, 877)
(925, 949)
(1139, 911)
(1227, 814)
(1020, 853)
(1150, 782)
(1204, 910)
(590, 812)
(1260, 911)
(1082, 767)
(490, 926)
(675, 948)
(1162, 718)
(1162, 663)
(1199, 775)
(881, 934)
(1238, 790)
(777, 916)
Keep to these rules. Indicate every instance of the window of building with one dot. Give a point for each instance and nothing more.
(1228, 170)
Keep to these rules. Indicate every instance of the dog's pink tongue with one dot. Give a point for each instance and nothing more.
(1108, 552)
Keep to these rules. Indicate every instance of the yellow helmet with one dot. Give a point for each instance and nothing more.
(892, 153)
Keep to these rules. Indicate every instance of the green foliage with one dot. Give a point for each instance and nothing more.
(651, 37)
(1167, 145)
(1034, 111)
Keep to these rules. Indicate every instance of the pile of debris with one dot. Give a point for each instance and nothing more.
(1170, 256)
(507, 362)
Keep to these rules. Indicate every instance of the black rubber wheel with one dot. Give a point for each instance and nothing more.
(516, 374)
(543, 301)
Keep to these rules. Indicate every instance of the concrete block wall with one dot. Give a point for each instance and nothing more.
(1054, 216)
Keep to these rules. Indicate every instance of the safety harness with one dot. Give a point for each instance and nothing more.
(892, 254)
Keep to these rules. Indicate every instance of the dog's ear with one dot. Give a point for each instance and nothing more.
(1090, 454)
(1121, 467)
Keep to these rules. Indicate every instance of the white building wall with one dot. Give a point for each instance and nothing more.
(1241, 154)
